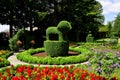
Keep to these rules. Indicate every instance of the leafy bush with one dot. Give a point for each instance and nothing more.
(89, 38)
(113, 41)
(13, 41)
(3, 58)
(64, 26)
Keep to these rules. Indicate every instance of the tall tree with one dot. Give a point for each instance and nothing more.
(7, 13)
(109, 26)
(20, 13)
(85, 15)
(116, 26)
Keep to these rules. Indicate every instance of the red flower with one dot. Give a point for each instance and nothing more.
(67, 78)
(15, 78)
(92, 78)
(3, 78)
(7, 70)
(73, 78)
(22, 77)
(114, 78)
(8, 74)
(54, 77)
(83, 76)
(61, 77)
(20, 69)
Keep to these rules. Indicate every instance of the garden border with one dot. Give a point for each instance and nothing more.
(26, 56)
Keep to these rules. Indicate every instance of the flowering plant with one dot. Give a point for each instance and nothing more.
(23, 72)
(19, 43)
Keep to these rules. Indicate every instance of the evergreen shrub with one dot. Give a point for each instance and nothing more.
(113, 39)
(13, 41)
(89, 38)
(56, 48)
(56, 43)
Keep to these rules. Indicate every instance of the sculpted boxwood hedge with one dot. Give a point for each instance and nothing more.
(56, 43)
(84, 55)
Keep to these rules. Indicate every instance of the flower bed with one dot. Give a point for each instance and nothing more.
(84, 55)
(22, 72)
(4, 54)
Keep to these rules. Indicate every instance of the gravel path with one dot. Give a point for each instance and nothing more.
(14, 61)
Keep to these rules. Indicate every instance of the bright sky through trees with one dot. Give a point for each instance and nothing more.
(110, 9)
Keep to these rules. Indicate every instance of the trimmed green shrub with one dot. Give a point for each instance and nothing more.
(13, 41)
(64, 26)
(84, 55)
(56, 48)
(56, 43)
(89, 38)
(54, 31)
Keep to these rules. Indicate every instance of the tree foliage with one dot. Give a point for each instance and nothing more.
(84, 15)
(109, 26)
(116, 26)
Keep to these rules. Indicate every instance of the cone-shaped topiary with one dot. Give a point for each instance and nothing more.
(56, 43)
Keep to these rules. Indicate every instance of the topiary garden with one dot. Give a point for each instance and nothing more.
(91, 61)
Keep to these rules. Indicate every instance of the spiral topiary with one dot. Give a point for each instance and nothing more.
(56, 43)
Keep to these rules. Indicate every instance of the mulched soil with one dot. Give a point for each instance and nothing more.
(43, 54)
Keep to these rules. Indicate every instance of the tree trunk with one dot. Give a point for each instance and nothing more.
(77, 36)
(31, 27)
(11, 30)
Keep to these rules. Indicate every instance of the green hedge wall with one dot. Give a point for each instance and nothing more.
(56, 48)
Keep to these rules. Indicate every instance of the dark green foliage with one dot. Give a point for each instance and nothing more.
(89, 38)
(52, 31)
(114, 35)
(4, 63)
(113, 41)
(4, 40)
(116, 25)
(57, 43)
(26, 37)
(43, 14)
(56, 48)
(114, 38)
(13, 41)
(64, 26)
